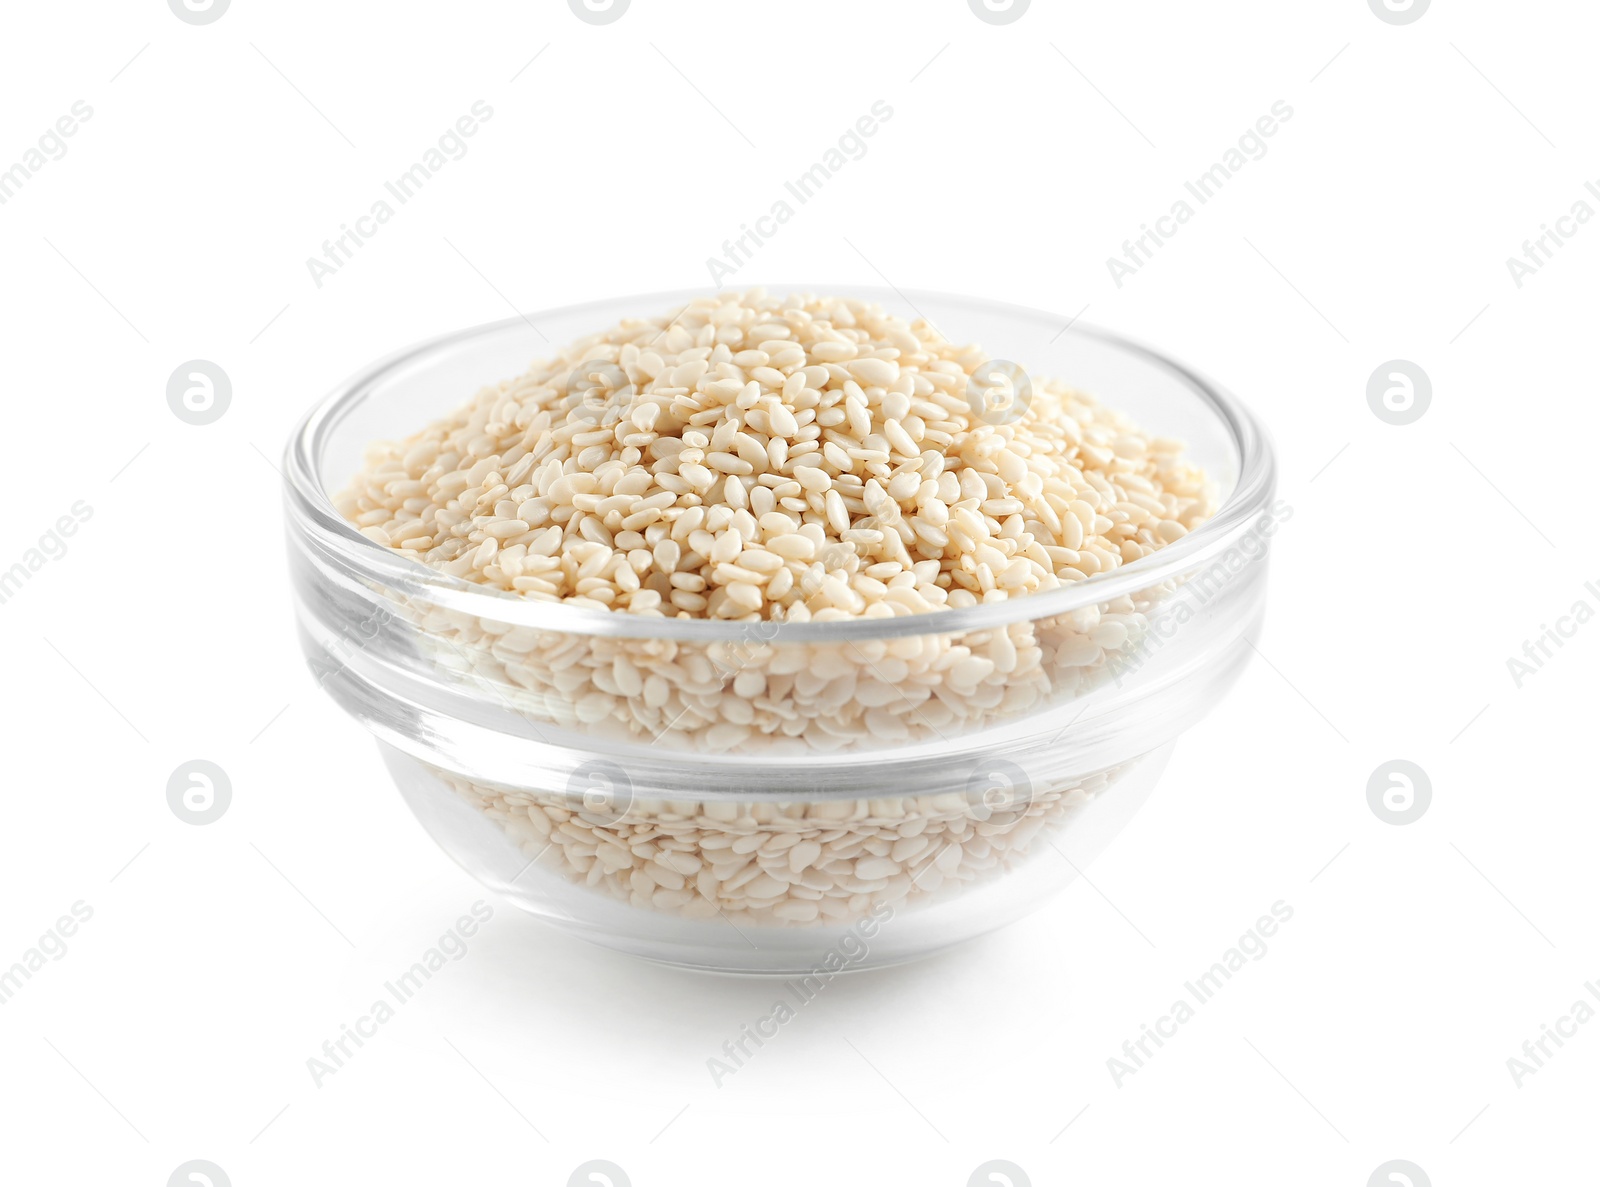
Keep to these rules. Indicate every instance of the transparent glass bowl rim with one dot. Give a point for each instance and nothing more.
(313, 513)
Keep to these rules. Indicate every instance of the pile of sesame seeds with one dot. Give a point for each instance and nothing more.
(795, 864)
(754, 458)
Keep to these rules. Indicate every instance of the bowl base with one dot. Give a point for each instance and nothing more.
(810, 954)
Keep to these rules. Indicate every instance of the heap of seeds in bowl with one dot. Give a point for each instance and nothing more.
(758, 459)
(754, 458)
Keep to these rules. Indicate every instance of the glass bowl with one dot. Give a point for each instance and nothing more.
(779, 798)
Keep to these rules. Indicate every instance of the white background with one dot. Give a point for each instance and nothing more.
(1019, 157)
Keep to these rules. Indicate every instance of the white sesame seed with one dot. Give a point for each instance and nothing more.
(783, 422)
(871, 372)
